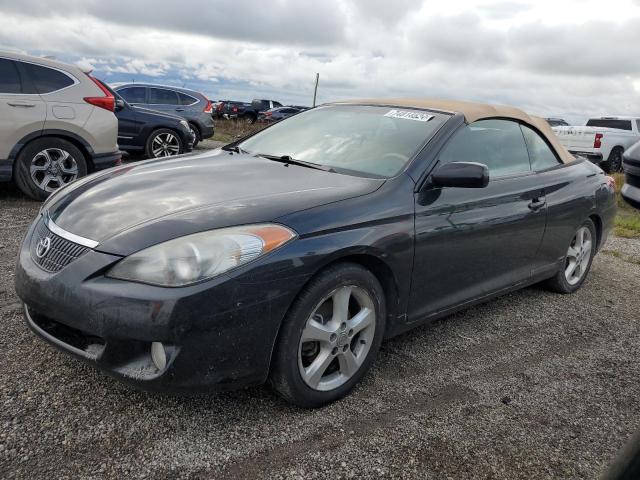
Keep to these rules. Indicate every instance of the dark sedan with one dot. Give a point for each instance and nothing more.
(290, 255)
(631, 166)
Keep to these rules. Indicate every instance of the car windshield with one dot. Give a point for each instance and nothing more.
(366, 140)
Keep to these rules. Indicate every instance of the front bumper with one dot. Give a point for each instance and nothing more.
(217, 335)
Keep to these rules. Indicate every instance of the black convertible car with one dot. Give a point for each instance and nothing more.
(289, 255)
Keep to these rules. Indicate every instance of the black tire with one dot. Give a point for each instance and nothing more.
(22, 169)
(559, 282)
(249, 118)
(285, 376)
(613, 164)
(148, 149)
(198, 136)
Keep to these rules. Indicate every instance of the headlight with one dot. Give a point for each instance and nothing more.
(197, 257)
(185, 124)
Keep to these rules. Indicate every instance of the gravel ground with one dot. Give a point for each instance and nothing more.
(532, 385)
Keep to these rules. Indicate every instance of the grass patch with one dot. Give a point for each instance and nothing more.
(627, 222)
(231, 130)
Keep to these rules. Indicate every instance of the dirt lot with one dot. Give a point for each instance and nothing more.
(533, 385)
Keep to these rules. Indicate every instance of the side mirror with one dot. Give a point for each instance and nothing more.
(119, 104)
(461, 175)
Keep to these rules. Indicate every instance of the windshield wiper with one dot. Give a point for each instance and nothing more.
(288, 160)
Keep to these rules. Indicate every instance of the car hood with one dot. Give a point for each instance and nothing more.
(129, 208)
(157, 113)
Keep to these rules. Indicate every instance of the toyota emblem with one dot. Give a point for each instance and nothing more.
(43, 247)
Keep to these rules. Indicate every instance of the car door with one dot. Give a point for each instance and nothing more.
(567, 206)
(472, 242)
(22, 111)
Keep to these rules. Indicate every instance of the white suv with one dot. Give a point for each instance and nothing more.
(56, 124)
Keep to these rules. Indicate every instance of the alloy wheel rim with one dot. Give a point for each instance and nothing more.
(337, 338)
(165, 145)
(53, 168)
(578, 256)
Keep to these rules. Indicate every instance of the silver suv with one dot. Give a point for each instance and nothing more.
(56, 124)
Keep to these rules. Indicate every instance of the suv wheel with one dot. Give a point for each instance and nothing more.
(330, 337)
(196, 134)
(47, 164)
(163, 143)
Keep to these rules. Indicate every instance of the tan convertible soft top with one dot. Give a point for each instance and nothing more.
(476, 111)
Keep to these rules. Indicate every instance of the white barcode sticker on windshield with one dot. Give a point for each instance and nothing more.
(409, 115)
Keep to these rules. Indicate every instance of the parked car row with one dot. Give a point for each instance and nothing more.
(279, 113)
(246, 111)
(257, 110)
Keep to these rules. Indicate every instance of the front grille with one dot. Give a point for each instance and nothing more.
(60, 253)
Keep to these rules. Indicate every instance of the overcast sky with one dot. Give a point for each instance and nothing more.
(553, 58)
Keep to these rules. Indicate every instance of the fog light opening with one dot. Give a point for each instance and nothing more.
(158, 355)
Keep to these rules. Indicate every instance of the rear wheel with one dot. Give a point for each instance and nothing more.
(196, 134)
(330, 336)
(163, 142)
(47, 164)
(614, 163)
(577, 262)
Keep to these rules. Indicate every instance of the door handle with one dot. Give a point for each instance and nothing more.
(537, 203)
(179, 109)
(23, 105)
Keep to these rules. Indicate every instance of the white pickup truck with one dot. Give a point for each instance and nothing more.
(602, 141)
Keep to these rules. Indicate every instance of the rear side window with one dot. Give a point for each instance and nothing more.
(47, 80)
(540, 153)
(9, 77)
(609, 123)
(160, 96)
(498, 144)
(133, 94)
(186, 99)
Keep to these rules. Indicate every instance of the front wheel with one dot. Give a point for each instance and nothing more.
(47, 164)
(163, 143)
(577, 262)
(330, 337)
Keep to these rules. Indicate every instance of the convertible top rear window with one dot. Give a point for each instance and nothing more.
(369, 140)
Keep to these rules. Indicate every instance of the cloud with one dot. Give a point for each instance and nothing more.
(573, 59)
(292, 21)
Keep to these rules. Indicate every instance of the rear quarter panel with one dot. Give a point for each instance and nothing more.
(574, 192)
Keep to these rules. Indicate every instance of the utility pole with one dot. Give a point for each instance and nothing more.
(315, 90)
